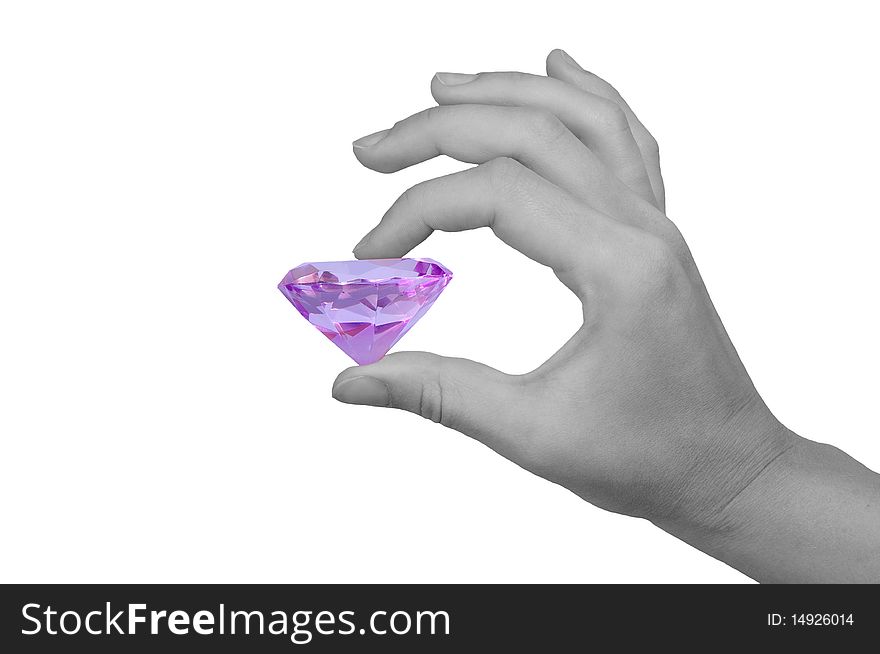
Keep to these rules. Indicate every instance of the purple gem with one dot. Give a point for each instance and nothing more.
(365, 307)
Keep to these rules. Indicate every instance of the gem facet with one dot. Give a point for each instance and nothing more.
(365, 307)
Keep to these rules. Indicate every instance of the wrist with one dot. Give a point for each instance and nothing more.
(750, 451)
(811, 514)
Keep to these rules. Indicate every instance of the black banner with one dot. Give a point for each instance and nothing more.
(425, 618)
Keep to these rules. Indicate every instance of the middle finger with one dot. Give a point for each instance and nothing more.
(479, 133)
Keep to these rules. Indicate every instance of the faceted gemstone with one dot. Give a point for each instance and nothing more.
(365, 307)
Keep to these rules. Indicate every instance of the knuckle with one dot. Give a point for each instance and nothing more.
(408, 201)
(517, 79)
(504, 172)
(612, 116)
(430, 115)
(658, 256)
(660, 269)
(431, 401)
(675, 241)
(650, 144)
(437, 392)
(440, 400)
(610, 91)
(544, 125)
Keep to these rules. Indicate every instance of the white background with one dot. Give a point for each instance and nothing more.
(166, 415)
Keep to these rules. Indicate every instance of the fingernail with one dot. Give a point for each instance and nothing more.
(360, 244)
(371, 139)
(567, 58)
(454, 79)
(362, 390)
(364, 240)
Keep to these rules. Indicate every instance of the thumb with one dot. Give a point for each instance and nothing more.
(458, 393)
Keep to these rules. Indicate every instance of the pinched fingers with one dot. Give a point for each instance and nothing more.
(525, 211)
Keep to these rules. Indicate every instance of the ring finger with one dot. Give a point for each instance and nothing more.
(599, 123)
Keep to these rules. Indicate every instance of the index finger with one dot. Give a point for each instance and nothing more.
(523, 209)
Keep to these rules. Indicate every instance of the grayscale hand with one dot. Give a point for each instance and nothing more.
(647, 410)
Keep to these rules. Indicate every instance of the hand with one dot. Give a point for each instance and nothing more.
(640, 412)
(647, 410)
